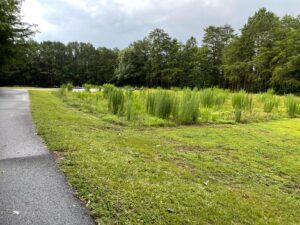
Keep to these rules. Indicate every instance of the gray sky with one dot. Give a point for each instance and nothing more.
(117, 23)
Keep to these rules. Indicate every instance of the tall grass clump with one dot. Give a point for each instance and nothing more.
(211, 97)
(186, 107)
(116, 101)
(241, 101)
(129, 104)
(62, 91)
(64, 88)
(69, 86)
(88, 87)
(107, 89)
(159, 103)
(270, 102)
(207, 98)
(292, 105)
(164, 104)
(150, 102)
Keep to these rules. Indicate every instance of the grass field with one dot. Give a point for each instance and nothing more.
(207, 173)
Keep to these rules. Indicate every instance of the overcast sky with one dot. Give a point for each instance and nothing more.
(117, 23)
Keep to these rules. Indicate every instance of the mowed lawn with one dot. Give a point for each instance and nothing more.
(207, 174)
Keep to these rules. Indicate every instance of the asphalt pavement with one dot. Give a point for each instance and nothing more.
(32, 189)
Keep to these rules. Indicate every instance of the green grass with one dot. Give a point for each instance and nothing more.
(205, 174)
(160, 107)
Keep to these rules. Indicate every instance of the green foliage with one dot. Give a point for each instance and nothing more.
(238, 115)
(241, 101)
(107, 89)
(292, 105)
(207, 98)
(69, 86)
(183, 106)
(129, 104)
(116, 101)
(12, 32)
(187, 107)
(211, 97)
(161, 106)
(160, 103)
(64, 88)
(270, 101)
(270, 104)
(88, 87)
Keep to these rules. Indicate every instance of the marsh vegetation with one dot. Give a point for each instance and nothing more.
(181, 106)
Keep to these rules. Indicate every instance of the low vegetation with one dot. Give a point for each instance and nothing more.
(208, 174)
(181, 106)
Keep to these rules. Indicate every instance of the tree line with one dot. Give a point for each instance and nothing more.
(264, 54)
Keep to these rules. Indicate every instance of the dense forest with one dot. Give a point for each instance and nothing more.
(264, 54)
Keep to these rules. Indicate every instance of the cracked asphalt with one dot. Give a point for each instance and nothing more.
(32, 189)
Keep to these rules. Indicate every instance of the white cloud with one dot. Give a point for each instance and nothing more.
(33, 12)
(119, 22)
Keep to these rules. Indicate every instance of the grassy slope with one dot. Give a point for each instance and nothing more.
(216, 174)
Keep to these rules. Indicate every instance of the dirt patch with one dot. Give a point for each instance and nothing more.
(58, 155)
(184, 164)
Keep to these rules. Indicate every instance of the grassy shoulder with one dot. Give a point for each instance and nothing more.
(210, 174)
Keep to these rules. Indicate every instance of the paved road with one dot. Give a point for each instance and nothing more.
(32, 190)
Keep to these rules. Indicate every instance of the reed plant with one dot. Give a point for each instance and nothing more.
(88, 87)
(186, 107)
(292, 105)
(211, 97)
(116, 101)
(129, 104)
(107, 89)
(270, 103)
(207, 98)
(241, 101)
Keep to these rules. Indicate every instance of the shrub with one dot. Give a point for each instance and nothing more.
(292, 105)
